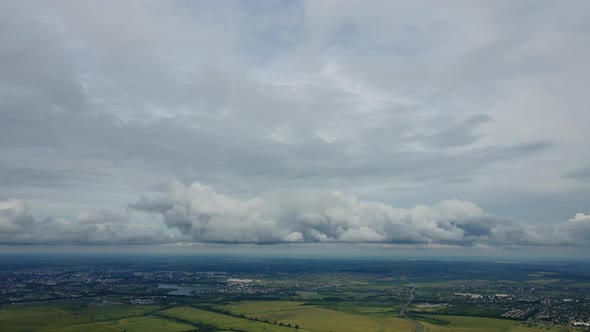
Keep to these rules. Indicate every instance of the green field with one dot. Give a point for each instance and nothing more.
(225, 322)
(480, 324)
(253, 316)
(315, 318)
(36, 318)
(108, 312)
(133, 324)
(74, 318)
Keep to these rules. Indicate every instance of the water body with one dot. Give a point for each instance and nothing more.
(182, 290)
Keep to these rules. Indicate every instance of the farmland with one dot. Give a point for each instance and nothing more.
(65, 317)
(479, 324)
(316, 318)
(291, 295)
(269, 316)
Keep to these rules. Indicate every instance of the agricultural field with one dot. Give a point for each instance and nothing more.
(198, 316)
(315, 318)
(254, 316)
(65, 317)
(439, 323)
(38, 318)
(119, 317)
(133, 324)
(281, 295)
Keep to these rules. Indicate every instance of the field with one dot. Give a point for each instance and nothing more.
(133, 324)
(315, 318)
(36, 318)
(114, 311)
(253, 316)
(74, 318)
(479, 324)
(131, 318)
(198, 316)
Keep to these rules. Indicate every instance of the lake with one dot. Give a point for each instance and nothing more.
(182, 290)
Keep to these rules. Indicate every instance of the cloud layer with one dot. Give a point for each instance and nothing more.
(198, 213)
(394, 101)
(207, 216)
(18, 225)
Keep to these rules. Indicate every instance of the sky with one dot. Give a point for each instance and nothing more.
(399, 125)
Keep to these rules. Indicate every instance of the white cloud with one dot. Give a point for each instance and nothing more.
(18, 225)
(14, 217)
(576, 230)
(203, 214)
(580, 218)
(199, 214)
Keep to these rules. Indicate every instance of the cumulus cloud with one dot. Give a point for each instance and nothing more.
(198, 213)
(576, 230)
(205, 215)
(14, 217)
(18, 225)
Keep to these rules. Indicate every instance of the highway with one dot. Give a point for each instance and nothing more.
(418, 326)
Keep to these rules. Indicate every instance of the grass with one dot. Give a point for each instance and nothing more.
(478, 324)
(70, 318)
(133, 324)
(310, 318)
(117, 311)
(352, 307)
(365, 308)
(315, 318)
(34, 318)
(221, 321)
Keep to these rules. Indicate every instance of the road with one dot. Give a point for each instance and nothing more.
(418, 326)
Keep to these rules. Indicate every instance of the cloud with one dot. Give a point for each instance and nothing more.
(18, 225)
(200, 214)
(15, 217)
(114, 84)
(577, 229)
(205, 215)
(578, 174)
(101, 100)
(456, 135)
